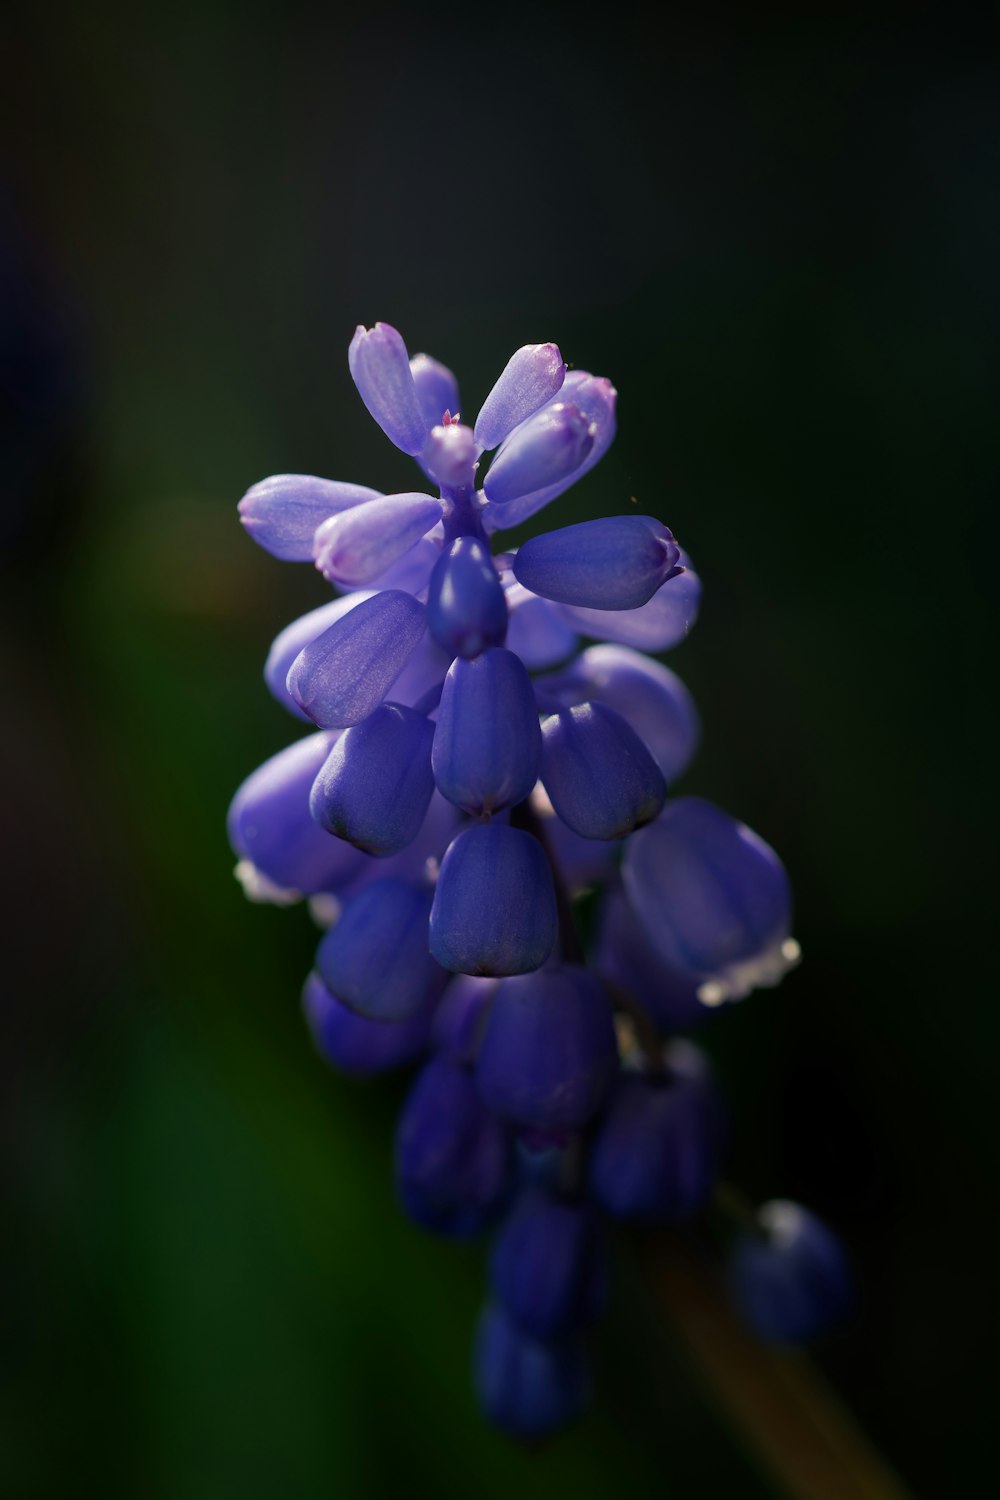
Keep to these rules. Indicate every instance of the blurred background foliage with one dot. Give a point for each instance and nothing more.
(779, 237)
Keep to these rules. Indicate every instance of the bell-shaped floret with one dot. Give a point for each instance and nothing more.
(437, 389)
(548, 1053)
(494, 905)
(375, 787)
(380, 368)
(595, 397)
(549, 1265)
(343, 675)
(655, 1156)
(288, 643)
(357, 546)
(651, 697)
(600, 778)
(453, 1158)
(283, 513)
(542, 451)
(270, 826)
(466, 610)
(617, 562)
(487, 744)
(526, 1387)
(712, 897)
(375, 959)
(531, 378)
(790, 1277)
(353, 1043)
(537, 631)
(656, 626)
(626, 959)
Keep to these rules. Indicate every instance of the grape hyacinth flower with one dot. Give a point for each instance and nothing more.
(472, 765)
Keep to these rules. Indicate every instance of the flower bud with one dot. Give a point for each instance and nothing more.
(354, 1044)
(656, 626)
(355, 547)
(652, 698)
(712, 897)
(600, 778)
(453, 1158)
(543, 451)
(375, 959)
(531, 378)
(343, 675)
(549, 1266)
(615, 563)
(283, 512)
(548, 1052)
(527, 1387)
(487, 744)
(269, 822)
(494, 906)
(791, 1279)
(450, 454)
(375, 787)
(655, 1155)
(380, 369)
(466, 609)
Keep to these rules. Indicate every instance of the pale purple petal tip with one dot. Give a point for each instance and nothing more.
(282, 513)
(380, 368)
(532, 377)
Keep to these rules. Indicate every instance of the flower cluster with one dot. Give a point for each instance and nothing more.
(474, 767)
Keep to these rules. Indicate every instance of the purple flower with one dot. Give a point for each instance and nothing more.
(476, 767)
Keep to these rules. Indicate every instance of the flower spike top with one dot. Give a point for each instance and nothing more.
(471, 767)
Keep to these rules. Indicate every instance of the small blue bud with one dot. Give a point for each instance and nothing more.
(380, 368)
(655, 1154)
(282, 513)
(595, 397)
(617, 562)
(494, 906)
(549, 1052)
(354, 1044)
(542, 451)
(531, 378)
(488, 743)
(528, 1388)
(651, 697)
(270, 826)
(600, 778)
(356, 546)
(466, 610)
(549, 1266)
(375, 959)
(791, 1280)
(656, 626)
(712, 897)
(343, 675)
(288, 643)
(376, 784)
(453, 1158)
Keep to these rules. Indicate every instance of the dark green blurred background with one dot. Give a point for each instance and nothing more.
(780, 238)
